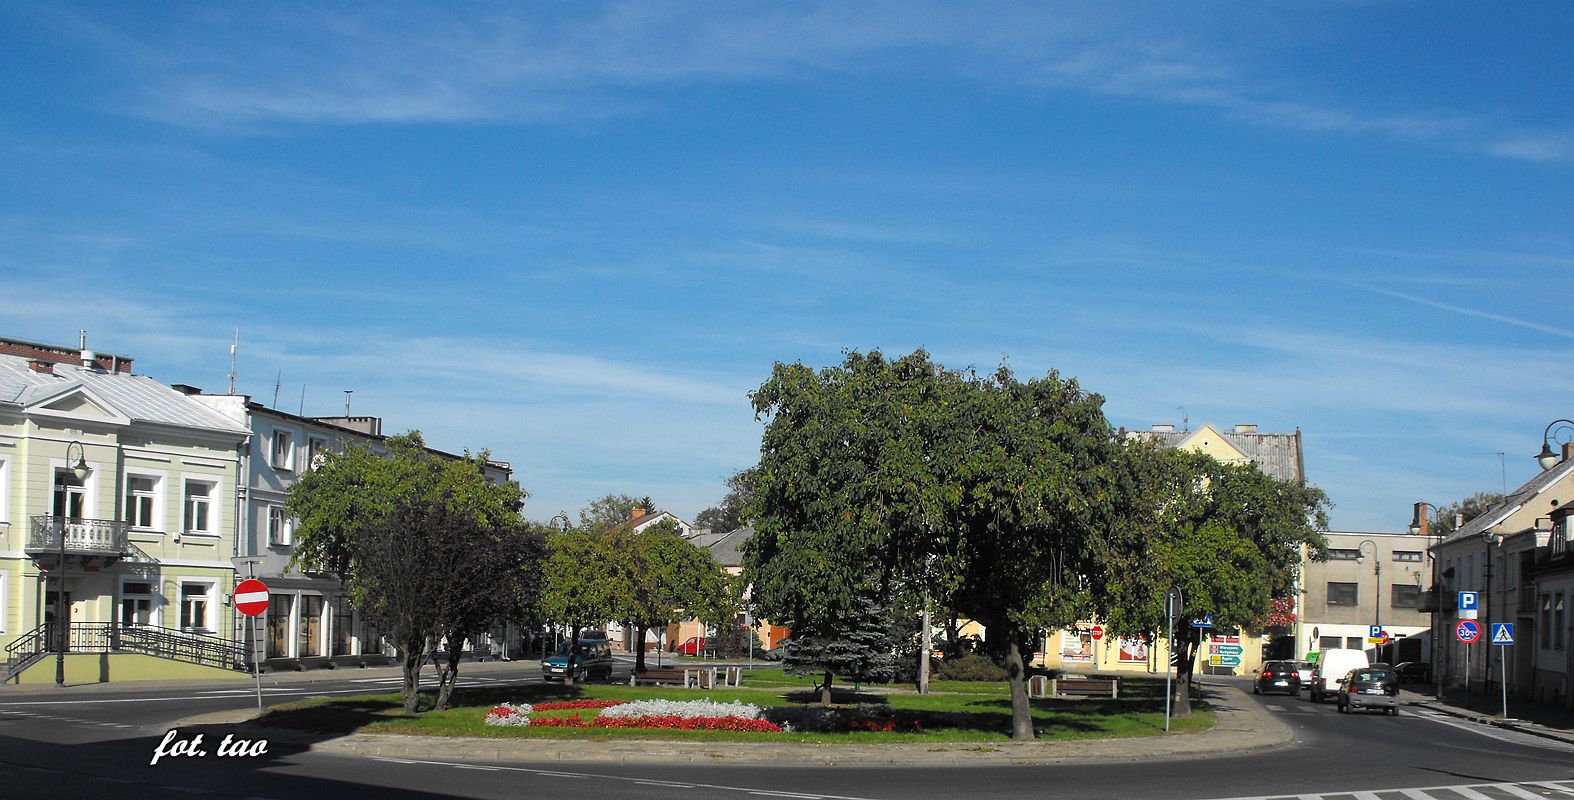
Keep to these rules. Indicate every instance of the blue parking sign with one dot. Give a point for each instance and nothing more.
(1374, 631)
(1468, 601)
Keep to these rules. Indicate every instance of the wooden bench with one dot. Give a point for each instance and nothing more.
(1085, 687)
(663, 677)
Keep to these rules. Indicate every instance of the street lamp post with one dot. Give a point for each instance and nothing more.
(80, 469)
(1546, 458)
(1377, 569)
(1420, 526)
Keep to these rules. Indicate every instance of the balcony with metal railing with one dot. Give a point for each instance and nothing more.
(82, 537)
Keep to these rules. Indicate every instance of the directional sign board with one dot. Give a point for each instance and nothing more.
(1468, 630)
(1502, 633)
(251, 597)
(1224, 661)
(1226, 649)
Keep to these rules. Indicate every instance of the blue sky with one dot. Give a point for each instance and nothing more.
(578, 234)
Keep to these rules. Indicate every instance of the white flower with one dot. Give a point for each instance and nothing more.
(509, 714)
(688, 709)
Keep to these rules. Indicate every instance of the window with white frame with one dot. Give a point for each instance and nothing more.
(1557, 621)
(142, 501)
(1343, 554)
(197, 606)
(4, 590)
(1407, 555)
(282, 456)
(280, 531)
(70, 499)
(5, 494)
(138, 603)
(200, 508)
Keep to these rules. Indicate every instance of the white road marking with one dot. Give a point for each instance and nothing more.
(622, 779)
(1471, 792)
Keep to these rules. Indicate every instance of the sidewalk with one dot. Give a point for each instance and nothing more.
(1533, 718)
(1241, 725)
(269, 679)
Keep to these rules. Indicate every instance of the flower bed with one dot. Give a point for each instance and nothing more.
(666, 722)
(575, 705)
(843, 720)
(690, 709)
(509, 714)
(688, 715)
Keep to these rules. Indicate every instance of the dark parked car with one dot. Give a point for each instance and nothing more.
(1278, 676)
(1413, 672)
(1366, 688)
(593, 660)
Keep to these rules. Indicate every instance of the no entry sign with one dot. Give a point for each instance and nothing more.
(251, 597)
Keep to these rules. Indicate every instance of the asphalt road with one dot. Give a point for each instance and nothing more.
(72, 747)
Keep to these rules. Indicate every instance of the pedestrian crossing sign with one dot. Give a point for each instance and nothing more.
(1502, 633)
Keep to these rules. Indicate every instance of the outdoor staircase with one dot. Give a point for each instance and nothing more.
(110, 637)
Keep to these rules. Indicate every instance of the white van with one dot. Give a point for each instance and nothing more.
(1331, 666)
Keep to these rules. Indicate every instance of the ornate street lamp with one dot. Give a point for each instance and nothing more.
(1546, 458)
(1419, 525)
(1377, 569)
(80, 469)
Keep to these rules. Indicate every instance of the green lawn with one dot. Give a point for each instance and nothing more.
(952, 712)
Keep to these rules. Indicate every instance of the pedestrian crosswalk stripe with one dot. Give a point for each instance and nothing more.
(1519, 790)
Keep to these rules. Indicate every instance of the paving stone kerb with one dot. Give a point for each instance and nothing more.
(1240, 726)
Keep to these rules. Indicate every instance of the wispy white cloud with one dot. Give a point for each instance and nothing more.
(500, 63)
(1471, 312)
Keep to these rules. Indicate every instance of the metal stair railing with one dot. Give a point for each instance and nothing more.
(27, 650)
(113, 637)
(176, 645)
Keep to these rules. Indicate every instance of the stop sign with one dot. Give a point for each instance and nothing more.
(1098, 632)
(251, 597)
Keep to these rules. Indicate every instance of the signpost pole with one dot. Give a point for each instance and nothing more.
(256, 660)
(1502, 672)
(1172, 607)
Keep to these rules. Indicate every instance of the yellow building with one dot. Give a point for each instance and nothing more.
(1228, 652)
(117, 514)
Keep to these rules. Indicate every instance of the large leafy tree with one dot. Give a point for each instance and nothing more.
(727, 515)
(611, 510)
(670, 579)
(1467, 509)
(431, 550)
(880, 473)
(1229, 536)
(586, 581)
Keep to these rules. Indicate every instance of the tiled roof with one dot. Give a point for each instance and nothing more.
(1484, 521)
(1277, 454)
(727, 548)
(135, 396)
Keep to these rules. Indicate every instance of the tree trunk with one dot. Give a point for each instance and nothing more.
(1187, 640)
(825, 690)
(1016, 673)
(448, 673)
(639, 649)
(412, 651)
(573, 655)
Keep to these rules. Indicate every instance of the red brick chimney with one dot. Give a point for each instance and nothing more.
(635, 513)
(36, 365)
(55, 354)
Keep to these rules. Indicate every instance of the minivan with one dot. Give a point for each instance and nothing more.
(1331, 666)
(593, 661)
